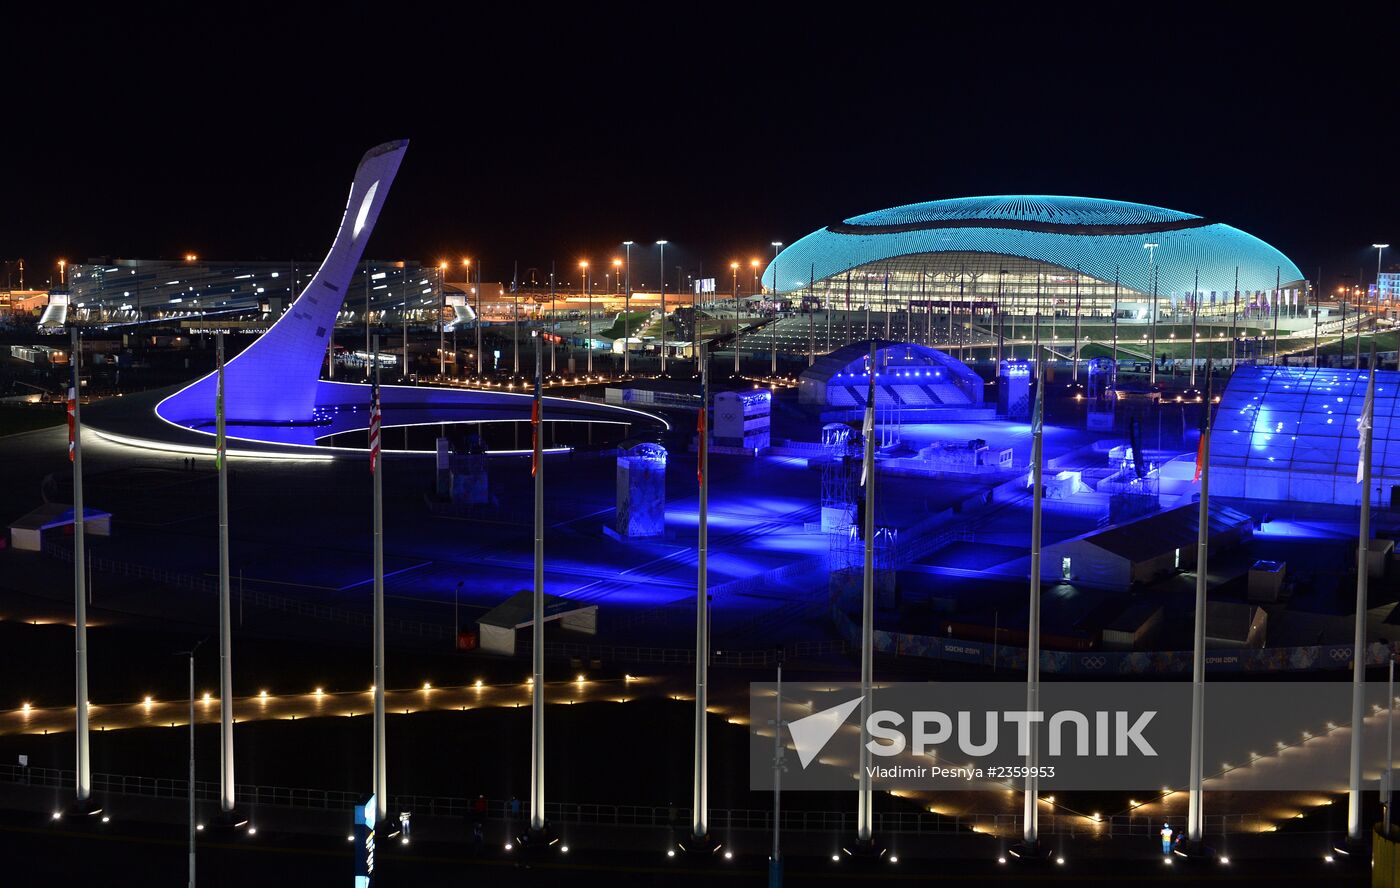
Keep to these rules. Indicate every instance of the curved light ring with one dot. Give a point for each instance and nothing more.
(189, 448)
(316, 453)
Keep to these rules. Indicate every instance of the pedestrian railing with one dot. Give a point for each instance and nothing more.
(655, 816)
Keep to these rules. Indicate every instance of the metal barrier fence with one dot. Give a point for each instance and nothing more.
(658, 816)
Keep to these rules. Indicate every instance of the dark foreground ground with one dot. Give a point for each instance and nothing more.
(138, 853)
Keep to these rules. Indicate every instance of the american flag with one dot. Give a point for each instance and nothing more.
(72, 423)
(374, 430)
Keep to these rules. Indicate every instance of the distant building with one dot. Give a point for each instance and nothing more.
(1139, 552)
(128, 290)
(1023, 255)
(1290, 433)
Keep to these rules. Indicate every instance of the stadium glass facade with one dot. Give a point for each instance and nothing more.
(1287, 433)
(1051, 256)
(135, 290)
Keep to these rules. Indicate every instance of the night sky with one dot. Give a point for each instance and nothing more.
(539, 135)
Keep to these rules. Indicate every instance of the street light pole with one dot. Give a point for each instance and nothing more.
(617, 285)
(588, 324)
(773, 370)
(479, 363)
(441, 325)
(662, 245)
(626, 311)
(515, 313)
(734, 286)
(1380, 251)
(1151, 248)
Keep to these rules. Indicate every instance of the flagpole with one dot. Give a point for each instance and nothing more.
(83, 773)
(1152, 364)
(479, 358)
(515, 313)
(828, 311)
(811, 314)
(700, 808)
(773, 369)
(1358, 659)
(1195, 308)
(866, 290)
(537, 822)
(1389, 741)
(1234, 319)
(227, 798)
(1030, 835)
(1075, 373)
(1115, 324)
(885, 304)
(381, 783)
(865, 801)
(1195, 798)
(909, 315)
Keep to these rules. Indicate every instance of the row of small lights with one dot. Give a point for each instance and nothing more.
(263, 696)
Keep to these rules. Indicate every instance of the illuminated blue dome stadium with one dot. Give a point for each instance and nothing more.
(984, 247)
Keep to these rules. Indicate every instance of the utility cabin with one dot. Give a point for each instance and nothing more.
(1138, 552)
(497, 628)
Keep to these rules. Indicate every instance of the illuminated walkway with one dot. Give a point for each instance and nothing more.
(152, 713)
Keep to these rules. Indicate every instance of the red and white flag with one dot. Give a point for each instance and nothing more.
(72, 422)
(374, 431)
(1363, 423)
(700, 429)
(534, 437)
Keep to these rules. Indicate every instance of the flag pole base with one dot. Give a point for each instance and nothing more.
(1195, 851)
(870, 850)
(229, 822)
(88, 807)
(535, 842)
(1034, 853)
(699, 846)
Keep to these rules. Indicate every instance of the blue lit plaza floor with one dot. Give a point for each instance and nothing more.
(303, 528)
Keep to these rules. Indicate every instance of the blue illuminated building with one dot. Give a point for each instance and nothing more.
(1286, 433)
(906, 374)
(1017, 252)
